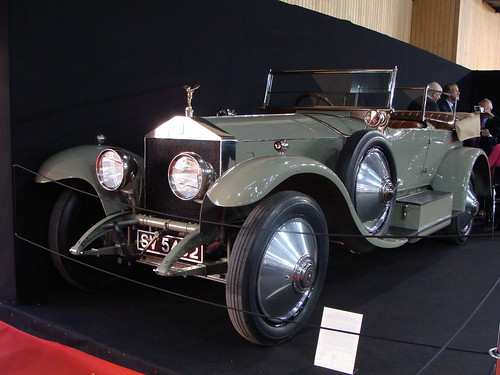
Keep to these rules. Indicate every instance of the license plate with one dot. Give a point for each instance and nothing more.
(165, 244)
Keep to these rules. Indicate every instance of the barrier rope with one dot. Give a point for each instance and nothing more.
(441, 349)
(308, 325)
(228, 225)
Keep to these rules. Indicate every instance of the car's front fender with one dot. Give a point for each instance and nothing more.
(252, 180)
(79, 163)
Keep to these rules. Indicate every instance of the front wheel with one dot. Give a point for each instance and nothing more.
(277, 267)
(72, 215)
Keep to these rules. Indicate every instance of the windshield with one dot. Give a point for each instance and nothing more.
(370, 89)
(414, 103)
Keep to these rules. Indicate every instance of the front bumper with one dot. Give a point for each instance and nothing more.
(166, 264)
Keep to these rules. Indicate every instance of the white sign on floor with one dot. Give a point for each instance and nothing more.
(337, 350)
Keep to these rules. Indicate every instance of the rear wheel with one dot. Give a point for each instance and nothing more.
(461, 225)
(72, 215)
(367, 168)
(277, 267)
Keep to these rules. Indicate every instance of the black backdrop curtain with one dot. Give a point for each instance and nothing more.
(78, 68)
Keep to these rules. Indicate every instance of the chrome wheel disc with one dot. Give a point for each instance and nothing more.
(288, 270)
(471, 209)
(374, 190)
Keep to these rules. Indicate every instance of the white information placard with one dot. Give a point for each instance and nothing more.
(337, 350)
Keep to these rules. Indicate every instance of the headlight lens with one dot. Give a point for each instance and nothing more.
(189, 176)
(114, 169)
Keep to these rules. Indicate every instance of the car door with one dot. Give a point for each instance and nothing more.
(410, 147)
(440, 142)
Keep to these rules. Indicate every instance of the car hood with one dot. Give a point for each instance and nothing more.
(310, 125)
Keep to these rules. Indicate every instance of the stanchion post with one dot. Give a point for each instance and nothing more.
(495, 353)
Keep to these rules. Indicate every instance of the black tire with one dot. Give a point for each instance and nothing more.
(495, 214)
(461, 225)
(288, 289)
(373, 198)
(72, 215)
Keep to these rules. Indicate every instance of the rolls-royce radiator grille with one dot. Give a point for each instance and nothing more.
(159, 153)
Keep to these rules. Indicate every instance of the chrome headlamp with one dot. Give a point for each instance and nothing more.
(115, 169)
(189, 176)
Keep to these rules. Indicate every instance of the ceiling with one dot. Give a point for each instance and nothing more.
(495, 4)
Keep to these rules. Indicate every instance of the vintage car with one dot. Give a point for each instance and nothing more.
(254, 201)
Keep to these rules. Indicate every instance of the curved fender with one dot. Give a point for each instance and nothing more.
(251, 180)
(454, 173)
(79, 163)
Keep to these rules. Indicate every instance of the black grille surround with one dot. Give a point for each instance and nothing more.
(159, 152)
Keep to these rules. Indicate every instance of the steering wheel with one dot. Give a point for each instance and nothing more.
(313, 95)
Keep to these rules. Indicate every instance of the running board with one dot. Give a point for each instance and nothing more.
(409, 233)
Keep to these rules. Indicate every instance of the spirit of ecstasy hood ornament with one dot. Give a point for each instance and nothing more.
(189, 110)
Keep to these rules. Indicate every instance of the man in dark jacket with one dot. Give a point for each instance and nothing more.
(434, 91)
(490, 127)
(449, 99)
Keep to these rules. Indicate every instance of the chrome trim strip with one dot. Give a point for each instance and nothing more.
(254, 115)
(392, 86)
(327, 125)
(169, 224)
(321, 71)
(269, 84)
(288, 139)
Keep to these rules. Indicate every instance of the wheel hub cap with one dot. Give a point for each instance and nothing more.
(374, 190)
(304, 274)
(287, 273)
(387, 191)
(471, 209)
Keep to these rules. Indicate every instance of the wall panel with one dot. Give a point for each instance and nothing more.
(479, 36)
(434, 26)
(390, 17)
(466, 32)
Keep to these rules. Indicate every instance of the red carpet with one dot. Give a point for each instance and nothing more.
(23, 354)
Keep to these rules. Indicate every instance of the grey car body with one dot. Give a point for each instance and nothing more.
(253, 200)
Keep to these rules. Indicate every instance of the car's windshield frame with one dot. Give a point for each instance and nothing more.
(340, 89)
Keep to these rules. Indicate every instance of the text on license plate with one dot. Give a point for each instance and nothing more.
(165, 244)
